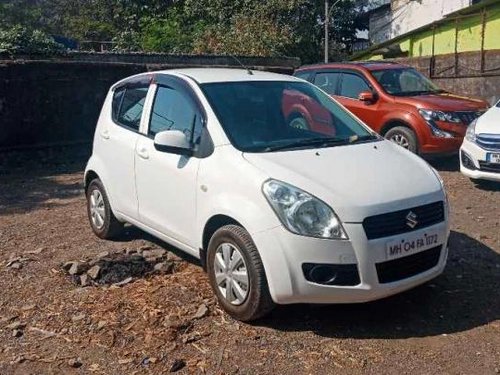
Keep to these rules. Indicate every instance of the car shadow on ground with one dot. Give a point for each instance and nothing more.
(465, 296)
(445, 164)
(132, 233)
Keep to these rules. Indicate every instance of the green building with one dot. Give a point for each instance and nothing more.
(472, 29)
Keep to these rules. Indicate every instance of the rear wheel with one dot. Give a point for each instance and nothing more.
(403, 137)
(237, 275)
(102, 220)
(298, 121)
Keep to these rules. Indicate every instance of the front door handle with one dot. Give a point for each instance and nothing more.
(143, 153)
(105, 134)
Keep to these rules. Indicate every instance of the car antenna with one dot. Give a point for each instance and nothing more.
(243, 66)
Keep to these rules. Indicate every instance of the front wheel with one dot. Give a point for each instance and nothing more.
(237, 274)
(403, 137)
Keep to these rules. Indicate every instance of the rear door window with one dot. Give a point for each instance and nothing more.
(353, 85)
(129, 106)
(327, 81)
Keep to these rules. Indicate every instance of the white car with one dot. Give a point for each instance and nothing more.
(213, 162)
(480, 151)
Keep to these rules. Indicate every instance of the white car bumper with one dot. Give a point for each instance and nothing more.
(284, 255)
(471, 155)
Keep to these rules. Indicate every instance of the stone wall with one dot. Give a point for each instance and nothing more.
(56, 101)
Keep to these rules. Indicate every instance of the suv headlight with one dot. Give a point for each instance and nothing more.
(302, 213)
(470, 135)
(430, 115)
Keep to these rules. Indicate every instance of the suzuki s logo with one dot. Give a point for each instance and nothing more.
(411, 219)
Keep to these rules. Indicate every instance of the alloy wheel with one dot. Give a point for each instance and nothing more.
(400, 140)
(97, 209)
(231, 274)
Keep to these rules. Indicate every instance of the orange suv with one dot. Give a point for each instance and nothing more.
(398, 102)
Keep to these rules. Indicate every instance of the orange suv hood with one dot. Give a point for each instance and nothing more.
(444, 102)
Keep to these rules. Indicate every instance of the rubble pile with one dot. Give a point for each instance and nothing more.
(120, 268)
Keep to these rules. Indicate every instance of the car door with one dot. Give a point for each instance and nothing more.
(118, 140)
(166, 182)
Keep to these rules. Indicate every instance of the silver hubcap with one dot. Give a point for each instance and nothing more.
(97, 211)
(400, 140)
(299, 123)
(231, 274)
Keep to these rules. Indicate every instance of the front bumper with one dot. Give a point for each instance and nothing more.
(475, 154)
(441, 146)
(284, 253)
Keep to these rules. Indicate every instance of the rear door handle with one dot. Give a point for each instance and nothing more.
(143, 153)
(105, 134)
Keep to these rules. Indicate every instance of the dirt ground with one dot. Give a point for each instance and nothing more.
(48, 325)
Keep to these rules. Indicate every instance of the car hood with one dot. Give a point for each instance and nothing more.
(489, 123)
(357, 181)
(446, 102)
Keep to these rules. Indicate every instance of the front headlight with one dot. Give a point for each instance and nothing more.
(470, 135)
(302, 213)
(430, 115)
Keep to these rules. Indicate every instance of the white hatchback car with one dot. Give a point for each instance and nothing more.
(215, 162)
(480, 151)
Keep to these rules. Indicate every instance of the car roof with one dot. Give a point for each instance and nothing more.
(369, 65)
(211, 75)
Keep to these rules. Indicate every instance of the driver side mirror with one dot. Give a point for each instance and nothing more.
(174, 142)
(367, 97)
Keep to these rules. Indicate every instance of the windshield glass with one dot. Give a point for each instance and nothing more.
(265, 116)
(405, 82)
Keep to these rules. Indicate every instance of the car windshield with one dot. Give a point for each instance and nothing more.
(266, 116)
(405, 82)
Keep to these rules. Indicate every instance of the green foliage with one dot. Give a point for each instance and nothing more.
(20, 40)
(243, 27)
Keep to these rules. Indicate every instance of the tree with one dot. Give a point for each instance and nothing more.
(245, 27)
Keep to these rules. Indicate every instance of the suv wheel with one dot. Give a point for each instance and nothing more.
(102, 220)
(237, 275)
(403, 137)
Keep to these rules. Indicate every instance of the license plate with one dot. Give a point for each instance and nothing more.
(493, 158)
(411, 244)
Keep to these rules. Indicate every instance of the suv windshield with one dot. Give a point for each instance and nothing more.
(405, 82)
(265, 116)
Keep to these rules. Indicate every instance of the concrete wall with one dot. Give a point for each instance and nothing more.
(462, 74)
(57, 101)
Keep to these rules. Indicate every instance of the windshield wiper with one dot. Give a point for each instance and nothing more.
(362, 138)
(318, 142)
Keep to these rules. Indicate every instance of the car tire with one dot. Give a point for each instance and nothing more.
(242, 258)
(102, 220)
(404, 137)
(298, 121)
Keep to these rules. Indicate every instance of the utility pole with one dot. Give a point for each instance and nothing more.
(327, 16)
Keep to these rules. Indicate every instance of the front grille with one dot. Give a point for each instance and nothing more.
(393, 223)
(489, 167)
(402, 268)
(488, 141)
(468, 116)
